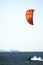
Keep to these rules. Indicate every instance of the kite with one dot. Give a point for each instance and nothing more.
(29, 16)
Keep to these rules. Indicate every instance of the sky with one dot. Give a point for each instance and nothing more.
(15, 32)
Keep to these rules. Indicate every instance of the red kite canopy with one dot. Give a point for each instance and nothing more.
(29, 16)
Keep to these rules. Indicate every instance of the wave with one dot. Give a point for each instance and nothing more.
(37, 58)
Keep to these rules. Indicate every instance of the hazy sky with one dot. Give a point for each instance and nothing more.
(15, 32)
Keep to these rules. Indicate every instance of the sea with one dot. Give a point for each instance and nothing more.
(20, 58)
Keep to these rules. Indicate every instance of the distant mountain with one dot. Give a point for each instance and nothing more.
(2, 51)
(9, 51)
(14, 51)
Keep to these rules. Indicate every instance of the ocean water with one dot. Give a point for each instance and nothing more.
(19, 58)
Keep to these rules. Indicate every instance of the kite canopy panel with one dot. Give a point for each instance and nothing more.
(29, 16)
